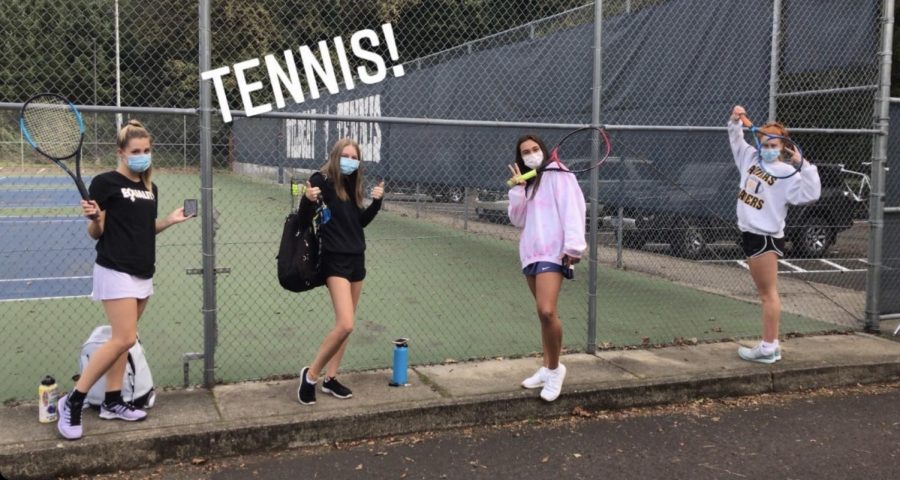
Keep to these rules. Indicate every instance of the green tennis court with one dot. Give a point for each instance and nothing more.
(456, 295)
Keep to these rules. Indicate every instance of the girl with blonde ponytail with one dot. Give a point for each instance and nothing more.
(125, 202)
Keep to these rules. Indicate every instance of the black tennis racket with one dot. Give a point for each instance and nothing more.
(53, 127)
(778, 167)
(576, 148)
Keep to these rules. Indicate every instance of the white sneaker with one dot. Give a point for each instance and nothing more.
(756, 354)
(553, 383)
(537, 380)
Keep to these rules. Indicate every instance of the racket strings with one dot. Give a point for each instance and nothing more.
(53, 126)
(576, 149)
(771, 169)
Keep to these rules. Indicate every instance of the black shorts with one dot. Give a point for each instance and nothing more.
(755, 245)
(344, 265)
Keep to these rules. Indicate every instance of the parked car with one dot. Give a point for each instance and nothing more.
(700, 210)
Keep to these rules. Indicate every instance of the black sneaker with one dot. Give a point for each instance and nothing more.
(306, 392)
(336, 388)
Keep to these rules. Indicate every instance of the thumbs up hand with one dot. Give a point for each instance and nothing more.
(378, 190)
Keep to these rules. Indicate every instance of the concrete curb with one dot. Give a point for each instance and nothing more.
(145, 448)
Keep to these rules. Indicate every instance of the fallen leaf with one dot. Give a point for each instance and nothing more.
(545, 459)
(359, 467)
(576, 455)
(580, 412)
(198, 461)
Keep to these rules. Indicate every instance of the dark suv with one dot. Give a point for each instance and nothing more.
(696, 207)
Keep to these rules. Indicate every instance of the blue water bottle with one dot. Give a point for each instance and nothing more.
(401, 362)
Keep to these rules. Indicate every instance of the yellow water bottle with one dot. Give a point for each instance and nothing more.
(47, 396)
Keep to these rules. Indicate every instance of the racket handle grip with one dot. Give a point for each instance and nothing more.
(524, 177)
(85, 195)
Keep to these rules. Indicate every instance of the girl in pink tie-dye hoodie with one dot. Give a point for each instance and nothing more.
(550, 210)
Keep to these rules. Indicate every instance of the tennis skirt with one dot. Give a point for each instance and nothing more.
(111, 285)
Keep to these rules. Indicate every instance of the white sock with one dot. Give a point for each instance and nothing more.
(767, 347)
(309, 380)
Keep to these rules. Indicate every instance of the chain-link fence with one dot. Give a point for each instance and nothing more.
(442, 259)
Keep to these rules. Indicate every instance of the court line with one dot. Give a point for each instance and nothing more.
(40, 219)
(40, 279)
(42, 298)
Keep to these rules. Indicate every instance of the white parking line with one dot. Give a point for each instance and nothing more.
(832, 264)
(795, 269)
(791, 265)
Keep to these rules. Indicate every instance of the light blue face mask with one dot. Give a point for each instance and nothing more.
(348, 165)
(769, 155)
(139, 163)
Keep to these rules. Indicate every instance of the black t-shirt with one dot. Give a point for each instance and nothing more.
(128, 243)
(344, 232)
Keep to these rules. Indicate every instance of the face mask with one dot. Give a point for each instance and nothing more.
(348, 165)
(139, 163)
(533, 160)
(769, 155)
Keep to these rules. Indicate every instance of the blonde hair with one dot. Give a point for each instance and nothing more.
(332, 170)
(134, 129)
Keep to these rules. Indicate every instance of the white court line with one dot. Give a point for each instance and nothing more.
(832, 264)
(42, 298)
(42, 220)
(791, 265)
(40, 279)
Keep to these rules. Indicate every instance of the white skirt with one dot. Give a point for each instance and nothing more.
(111, 285)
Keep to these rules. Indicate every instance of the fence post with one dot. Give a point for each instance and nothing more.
(877, 181)
(210, 329)
(591, 345)
(774, 58)
(620, 232)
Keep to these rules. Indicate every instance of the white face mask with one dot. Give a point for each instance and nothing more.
(533, 160)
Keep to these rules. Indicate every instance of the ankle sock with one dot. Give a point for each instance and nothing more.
(112, 397)
(75, 397)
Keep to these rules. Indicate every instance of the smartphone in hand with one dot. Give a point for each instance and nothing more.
(190, 207)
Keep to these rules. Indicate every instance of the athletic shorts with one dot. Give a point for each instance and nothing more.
(544, 267)
(111, 284)
(349, 266)
(755, 245)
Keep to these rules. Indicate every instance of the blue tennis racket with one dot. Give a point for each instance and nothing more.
(53, 127)
(780, 165)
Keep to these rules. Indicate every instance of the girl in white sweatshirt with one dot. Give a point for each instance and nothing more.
(761, 209)
(550, 210)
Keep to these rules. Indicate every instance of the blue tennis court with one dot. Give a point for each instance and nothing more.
(43, 257)
(40, 180)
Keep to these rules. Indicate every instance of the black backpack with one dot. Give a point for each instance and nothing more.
(299, 254)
